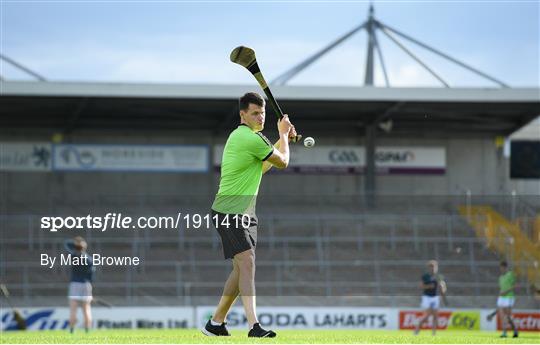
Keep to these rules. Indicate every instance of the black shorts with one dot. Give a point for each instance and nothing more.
(237, 233)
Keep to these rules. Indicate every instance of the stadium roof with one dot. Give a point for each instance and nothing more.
(448, 112)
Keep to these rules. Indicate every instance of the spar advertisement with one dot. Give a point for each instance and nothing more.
(52, 318)
(350, 159)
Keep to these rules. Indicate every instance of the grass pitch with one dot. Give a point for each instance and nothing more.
(193, 336)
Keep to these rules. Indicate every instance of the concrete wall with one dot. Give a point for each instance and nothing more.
(476, 165)
(472, 164)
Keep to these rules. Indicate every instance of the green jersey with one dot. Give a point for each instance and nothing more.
(241, 171)
(507, 281)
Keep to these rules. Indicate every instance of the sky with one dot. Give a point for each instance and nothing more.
(190, 42)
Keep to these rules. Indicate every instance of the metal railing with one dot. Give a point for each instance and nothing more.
(437, 232)
(184, 287)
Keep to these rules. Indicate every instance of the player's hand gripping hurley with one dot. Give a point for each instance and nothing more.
(245, 57)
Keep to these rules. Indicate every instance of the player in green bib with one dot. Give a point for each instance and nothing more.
(246, 157)
(241, 171)
(506, 299)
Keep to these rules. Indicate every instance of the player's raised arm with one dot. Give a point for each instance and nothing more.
(292, 134)
(441, 282)
(280, 156)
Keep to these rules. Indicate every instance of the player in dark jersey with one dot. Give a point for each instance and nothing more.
(432, 284)
(80, 285)
(246, 157)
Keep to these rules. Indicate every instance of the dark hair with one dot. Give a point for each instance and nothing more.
(504, 264)
(250, 98)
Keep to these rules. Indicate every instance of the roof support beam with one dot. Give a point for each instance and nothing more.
(22, 68)
(288, 75)
(370, 28)
(381, 59)
(448, 57)
(70, 124)
(399, 44)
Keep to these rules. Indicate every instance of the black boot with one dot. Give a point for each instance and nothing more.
(258, 332)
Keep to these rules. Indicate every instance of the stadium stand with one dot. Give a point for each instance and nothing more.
(323, 243)
(377, 255)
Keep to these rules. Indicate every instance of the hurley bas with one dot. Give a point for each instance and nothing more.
(85, 259)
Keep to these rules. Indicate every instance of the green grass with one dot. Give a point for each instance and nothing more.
(192, 336)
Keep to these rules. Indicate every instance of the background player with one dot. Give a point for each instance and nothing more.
(506, 299)
(80, 285)
(430, 297)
